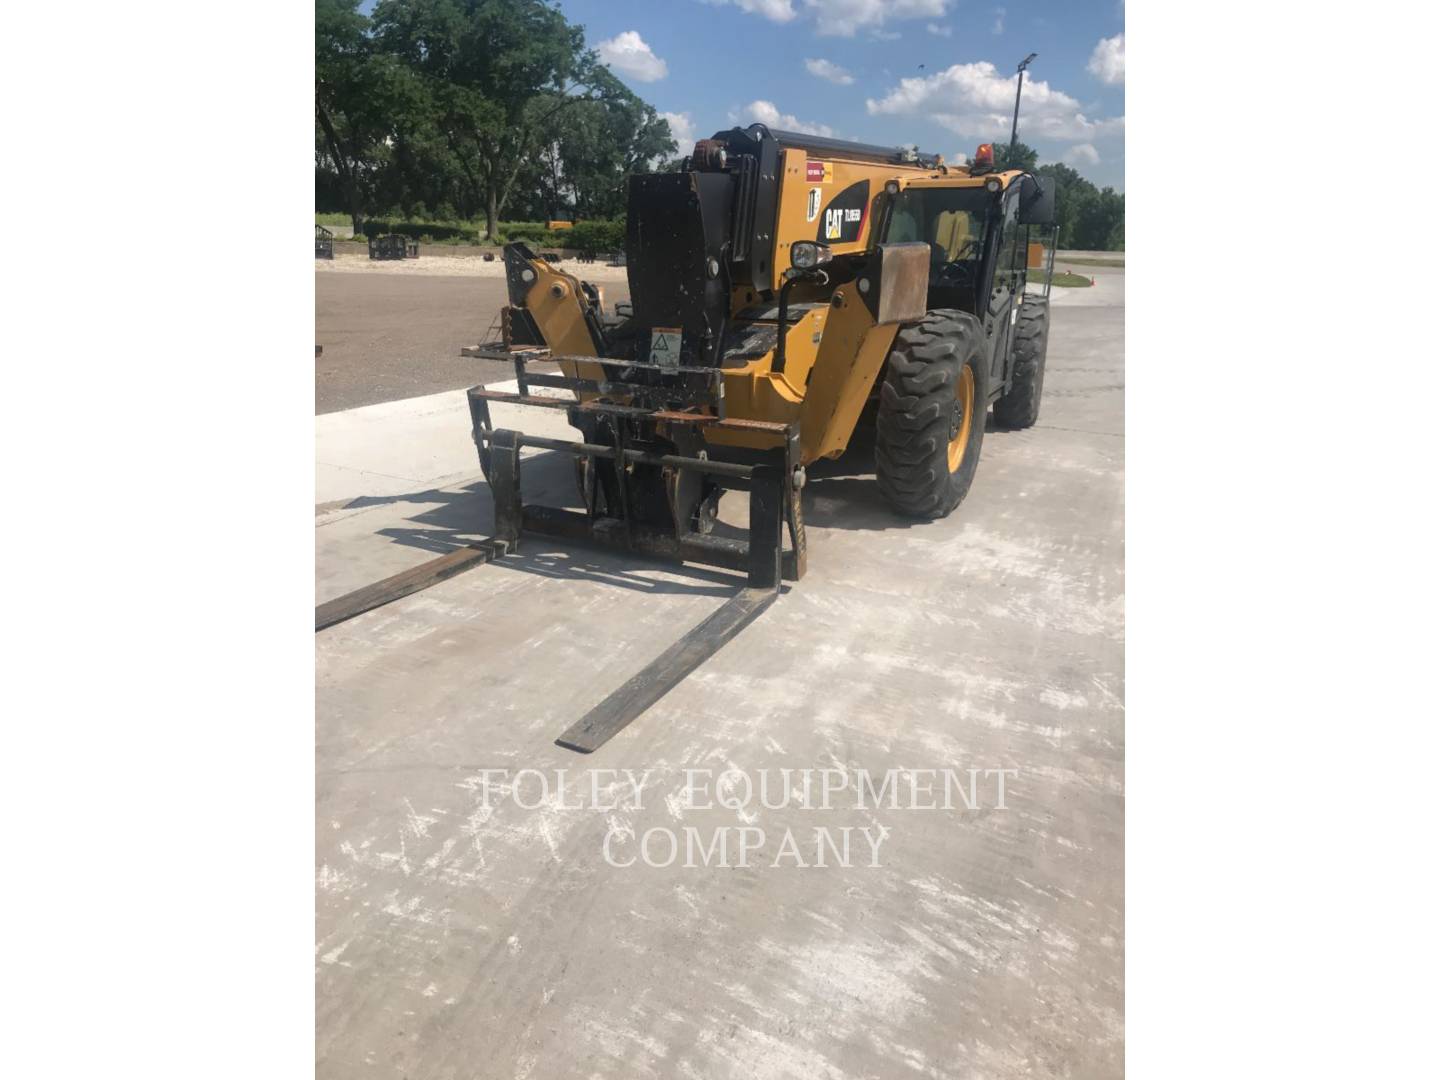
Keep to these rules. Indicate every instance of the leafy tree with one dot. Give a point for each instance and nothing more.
(498, 74)
(1090, 219)
(1116, 240)
(1069, 192)
(1098, 218)
(602, 141)
(1023, 157)
(352, 110)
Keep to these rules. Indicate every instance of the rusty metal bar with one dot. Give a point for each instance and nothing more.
(768, 427)
(531, 354)
(661, 395)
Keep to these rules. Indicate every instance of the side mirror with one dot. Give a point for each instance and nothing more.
(1037, 201)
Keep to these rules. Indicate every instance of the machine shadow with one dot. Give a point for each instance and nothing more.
(454, 518)
(842, 493)
(839, 494)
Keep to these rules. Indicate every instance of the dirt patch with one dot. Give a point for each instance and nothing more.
(399, 335)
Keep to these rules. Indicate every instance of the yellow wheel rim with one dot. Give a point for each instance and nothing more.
(962, 417)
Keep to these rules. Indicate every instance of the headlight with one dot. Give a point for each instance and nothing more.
(993, 185)
(807, 254)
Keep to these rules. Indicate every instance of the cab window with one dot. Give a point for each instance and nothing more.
(956, 232)
(950, 220)
(1010, 264)
(905, 223)
(955, 223)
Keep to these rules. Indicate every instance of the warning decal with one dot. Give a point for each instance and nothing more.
(665, 347)
(812, 208)
(818, 172)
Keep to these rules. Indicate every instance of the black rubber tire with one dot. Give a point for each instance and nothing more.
(918, 402)
(1020, 406)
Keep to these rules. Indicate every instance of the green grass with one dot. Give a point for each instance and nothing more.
(1118, 261)
(1070, 281)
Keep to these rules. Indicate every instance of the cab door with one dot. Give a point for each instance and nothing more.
(1006, 289)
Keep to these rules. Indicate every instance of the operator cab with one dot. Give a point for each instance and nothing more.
(955, 223)
(982, 236)
(979, 234)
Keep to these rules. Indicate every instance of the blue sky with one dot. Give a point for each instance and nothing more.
(853, 69)
(837, 67)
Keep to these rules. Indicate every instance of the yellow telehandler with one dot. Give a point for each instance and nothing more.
(779, 283)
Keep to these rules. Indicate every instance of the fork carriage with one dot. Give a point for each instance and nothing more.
(645, 499)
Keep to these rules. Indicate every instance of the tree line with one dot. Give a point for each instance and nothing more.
(1090, 218)
(456, 109)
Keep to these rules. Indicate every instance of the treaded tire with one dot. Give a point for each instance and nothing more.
(1020, 407)
(920, 413)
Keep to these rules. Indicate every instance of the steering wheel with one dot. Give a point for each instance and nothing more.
(954, 273)
(965, 250)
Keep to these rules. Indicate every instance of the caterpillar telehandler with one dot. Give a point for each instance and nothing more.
(779, 284)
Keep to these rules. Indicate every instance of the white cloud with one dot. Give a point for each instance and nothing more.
(824, 69)
(977, 100)
(999, 27)
(1107, 62)
(682, 129)
(627, 54)
(937, 30)
(842, 18)
(1083, 154)
(775, 10)
(767, 113)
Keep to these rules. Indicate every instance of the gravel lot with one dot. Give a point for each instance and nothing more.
(397, 333)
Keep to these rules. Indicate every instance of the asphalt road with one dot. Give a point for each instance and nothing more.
(392, 336)
(471, 923)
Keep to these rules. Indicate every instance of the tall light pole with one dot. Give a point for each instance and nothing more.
(1019, 82)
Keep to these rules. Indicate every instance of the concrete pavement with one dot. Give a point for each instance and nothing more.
(467, 926)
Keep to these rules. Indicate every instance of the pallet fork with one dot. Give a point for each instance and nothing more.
(773, 480)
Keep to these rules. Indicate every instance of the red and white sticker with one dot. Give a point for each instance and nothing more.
(818, 172)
